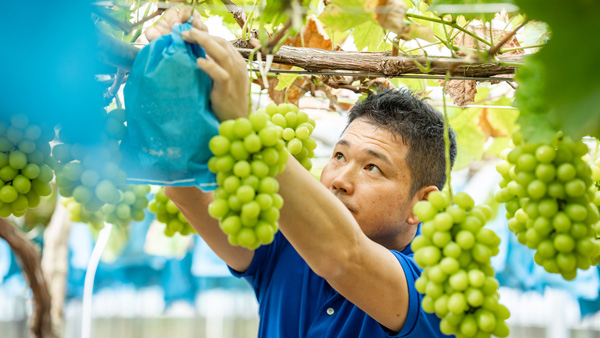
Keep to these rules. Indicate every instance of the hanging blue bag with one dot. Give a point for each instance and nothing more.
(169, 116)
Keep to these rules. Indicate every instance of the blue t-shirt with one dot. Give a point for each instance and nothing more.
(296, 302)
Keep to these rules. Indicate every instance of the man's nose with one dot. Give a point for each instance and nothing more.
(343, 181)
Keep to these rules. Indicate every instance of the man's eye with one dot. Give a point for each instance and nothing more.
(373, 168)
(339, 156)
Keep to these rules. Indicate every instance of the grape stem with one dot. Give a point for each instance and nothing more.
(449, 23)
(250, 59)
(238, 14)
(447, 139)
(496, 48)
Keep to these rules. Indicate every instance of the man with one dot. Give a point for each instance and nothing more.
(341, 265)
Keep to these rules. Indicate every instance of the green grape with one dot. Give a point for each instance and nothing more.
(247, 198)
(258, 120)
(32, 132)
(17, 159)
(555, 213)
(288, 134)
(31, 171)
(24, 166)
(424, 211)
(252, 143)
(455, 281)
(294, 146)
(22, 184)
(8, 194)
(279, 120)
(165, 210)
(219, 145)
(231, 225)
(226, 129)
(242, 127)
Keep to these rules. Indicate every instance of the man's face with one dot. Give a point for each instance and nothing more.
(368, 173)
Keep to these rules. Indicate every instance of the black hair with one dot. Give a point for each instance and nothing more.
(419, 125)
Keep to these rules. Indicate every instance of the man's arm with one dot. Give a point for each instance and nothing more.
(330, 240)
(193, 204)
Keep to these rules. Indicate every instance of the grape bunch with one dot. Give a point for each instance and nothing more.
(167, 212)
(89, 173)
(550, 201)
(130, 207)
(458, 282)
(297, 128)
(595, 167)
(249, 153)
(25, 165)
(78, 214)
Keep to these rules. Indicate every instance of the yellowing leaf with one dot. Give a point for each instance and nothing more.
(286, 80)
(413, 31)
(390, 15)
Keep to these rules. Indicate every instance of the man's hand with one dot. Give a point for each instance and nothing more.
(223, 63)
(173, 17)
(227, 68)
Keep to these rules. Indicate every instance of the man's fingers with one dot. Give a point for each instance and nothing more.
(198, 23)
(171, 15)
(214, 46)
(152, 33)
(185, 13)
(212, 69)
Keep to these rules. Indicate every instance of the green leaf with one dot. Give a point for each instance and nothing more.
(482, 93)
(556, 88)
(502, 119)
(580, 117)
(536, 128)
(286, 80)
(342, 15)
(469, 138)
(369, 35)
(416, 85)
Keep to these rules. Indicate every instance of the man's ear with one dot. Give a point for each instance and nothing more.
(421, 195)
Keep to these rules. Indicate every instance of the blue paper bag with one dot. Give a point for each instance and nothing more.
(169, 116)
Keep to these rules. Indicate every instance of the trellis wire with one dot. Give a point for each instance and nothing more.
(374, 75)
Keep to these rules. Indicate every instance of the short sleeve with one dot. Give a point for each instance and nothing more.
(412, 272)
(418, 323)
(263, 263)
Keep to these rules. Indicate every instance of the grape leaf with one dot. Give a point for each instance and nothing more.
(536, 128)
(562, 76)
(342, 15)
(469, 138)
(369, 35)
(415, 85)
(286, 80)
(503, 120)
